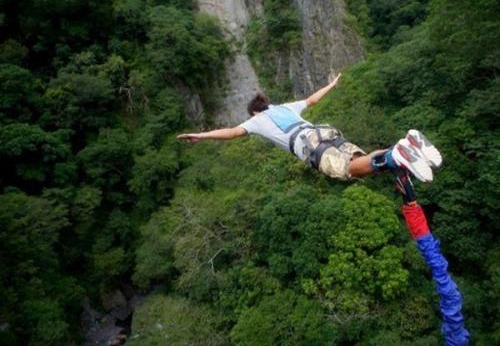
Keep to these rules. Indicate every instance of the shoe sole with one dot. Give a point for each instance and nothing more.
(408, 157)
(425, 148)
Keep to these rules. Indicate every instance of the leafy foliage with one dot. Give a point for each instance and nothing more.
(90, 93)
(293, 244)
(283, 319)
(163, 318)
(107, 160)
(175, 34)
(31, 154)
(78, 101)
(361, 256)
(30, 278)
(387, 23)
(20, 94)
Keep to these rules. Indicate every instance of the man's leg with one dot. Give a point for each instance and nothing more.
(361, 166)
(402, 155)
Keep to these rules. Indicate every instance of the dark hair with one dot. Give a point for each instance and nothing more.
(258, 104)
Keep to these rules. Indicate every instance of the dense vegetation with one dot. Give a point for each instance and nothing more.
(90, 93)
(384, 23)
(240, 243)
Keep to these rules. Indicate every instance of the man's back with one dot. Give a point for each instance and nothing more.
(277, 123)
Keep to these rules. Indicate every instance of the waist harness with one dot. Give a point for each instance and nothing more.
(315, 153)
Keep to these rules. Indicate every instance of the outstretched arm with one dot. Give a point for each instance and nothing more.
(221, 134)
(318, 95)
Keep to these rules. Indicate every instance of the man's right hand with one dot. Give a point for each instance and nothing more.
(190, 137)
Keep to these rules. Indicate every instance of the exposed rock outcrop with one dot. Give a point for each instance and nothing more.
(242, 82)
(328, 44)
(112, 326)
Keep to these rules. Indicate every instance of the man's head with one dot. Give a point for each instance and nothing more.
(258, 104)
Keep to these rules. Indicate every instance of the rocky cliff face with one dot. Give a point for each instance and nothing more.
(328, 45)
(242, 82)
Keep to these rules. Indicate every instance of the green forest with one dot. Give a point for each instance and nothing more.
(239, 243)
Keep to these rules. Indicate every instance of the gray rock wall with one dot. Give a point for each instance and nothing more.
(242, 82)
(328, 46)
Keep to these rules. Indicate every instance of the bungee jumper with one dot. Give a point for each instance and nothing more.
(324, 147)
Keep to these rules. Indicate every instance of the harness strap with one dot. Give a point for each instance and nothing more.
(293, 137)
(316, 154)
(318, 133)
(307, 143)
(338, 141)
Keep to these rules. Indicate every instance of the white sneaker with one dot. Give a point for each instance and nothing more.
(408, 157)
(425, 148)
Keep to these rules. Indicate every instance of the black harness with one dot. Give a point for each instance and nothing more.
(315, 154)
(293, 137)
